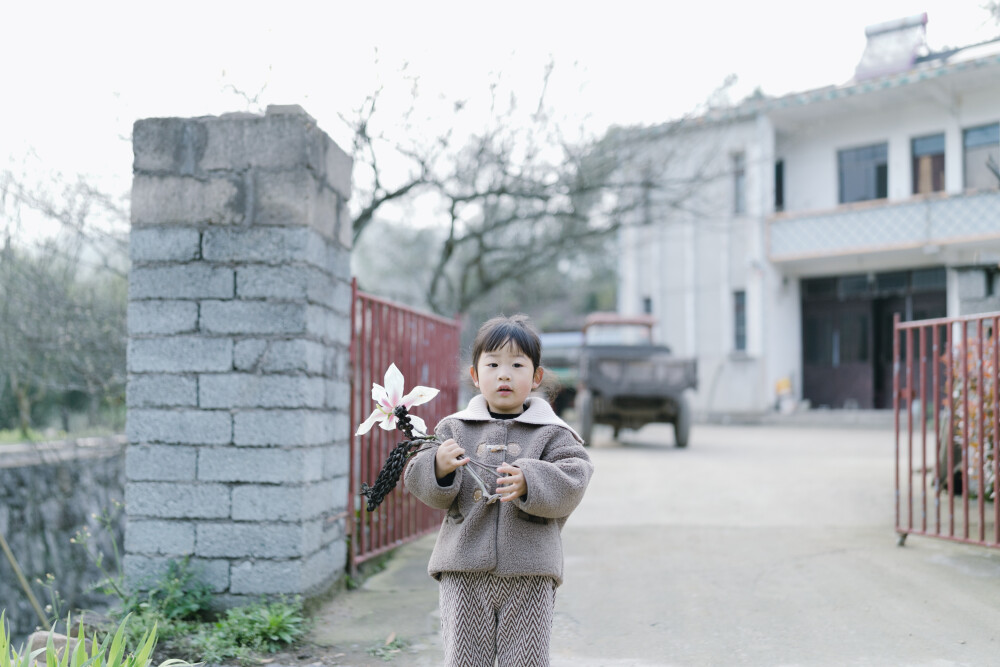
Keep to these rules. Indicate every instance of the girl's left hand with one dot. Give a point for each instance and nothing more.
(513, 485)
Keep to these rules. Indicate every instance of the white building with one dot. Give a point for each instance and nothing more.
(814, 217)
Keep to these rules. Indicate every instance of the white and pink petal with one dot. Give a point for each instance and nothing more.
(366, 425)
(393, 385)
(419, 396)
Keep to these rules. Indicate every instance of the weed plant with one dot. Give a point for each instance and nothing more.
(243, 632)
(111, 652)
(177, 606)
(174, 607)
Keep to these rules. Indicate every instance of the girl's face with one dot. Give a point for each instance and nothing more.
(505, 377)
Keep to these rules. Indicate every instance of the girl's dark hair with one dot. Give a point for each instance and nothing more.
(499, 331)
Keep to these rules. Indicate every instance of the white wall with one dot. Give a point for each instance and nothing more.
(690, 263)
(810, 149)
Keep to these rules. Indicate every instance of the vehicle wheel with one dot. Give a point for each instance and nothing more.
(585, 415)
(682, 423)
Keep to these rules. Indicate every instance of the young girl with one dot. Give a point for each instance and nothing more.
(499, 562)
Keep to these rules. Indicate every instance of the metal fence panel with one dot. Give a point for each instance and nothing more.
(945, 381)
(425, 348)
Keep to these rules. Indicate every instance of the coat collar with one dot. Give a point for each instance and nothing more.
(538, 413)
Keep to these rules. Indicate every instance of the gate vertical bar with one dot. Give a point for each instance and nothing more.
(922, 335)
(935, 370)
(981, 432)
(895, 408)
(909, 426)
(996, 427)
(949, 445)
(964, 351)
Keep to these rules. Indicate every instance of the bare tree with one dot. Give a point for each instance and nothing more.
(514, 197)
(62, 315)
(993, 8)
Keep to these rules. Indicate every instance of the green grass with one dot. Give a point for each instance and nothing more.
(15, 437)
(113, 651)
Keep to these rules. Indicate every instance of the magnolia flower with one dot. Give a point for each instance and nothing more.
(390, 397)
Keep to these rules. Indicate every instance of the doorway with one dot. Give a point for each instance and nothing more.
(847, 332)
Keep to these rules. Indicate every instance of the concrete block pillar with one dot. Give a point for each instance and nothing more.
(239, 333)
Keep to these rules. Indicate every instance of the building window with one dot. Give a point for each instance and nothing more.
(863, 173)
(982, 156)
(928, 164)
(647, 305)
(779, 185)
(740, 320)
(739, 184)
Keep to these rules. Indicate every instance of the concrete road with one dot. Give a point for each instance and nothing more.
(757, 545)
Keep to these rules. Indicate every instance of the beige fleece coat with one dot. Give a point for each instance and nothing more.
(515, 538)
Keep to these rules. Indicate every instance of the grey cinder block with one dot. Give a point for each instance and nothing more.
(239, 144)
(279, 356)
(289, 428)
(253, 540)
(271, 465)
(182, 281)
(164, 244)
(162, 317)
(242, 390)
(323, 567)
(183, 427)
(266, 577)
(263, 245)
(161, 391)
(338, 394)
(180, 354)
(185, 200)
(336, 460)
(259, 502)
(168, 538)
(252, 317)
(274, 282)
(161, 463)
(295, 198)
(177, 500)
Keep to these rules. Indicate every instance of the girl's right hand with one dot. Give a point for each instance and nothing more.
(448, 458)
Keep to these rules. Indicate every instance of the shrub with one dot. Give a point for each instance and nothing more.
(258, 628)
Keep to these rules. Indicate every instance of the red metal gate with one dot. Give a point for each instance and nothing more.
(425, 349)
(945, 380)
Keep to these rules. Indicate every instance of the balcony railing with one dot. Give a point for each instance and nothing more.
(884, 226)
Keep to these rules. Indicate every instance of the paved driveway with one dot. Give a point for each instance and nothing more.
(755, 546)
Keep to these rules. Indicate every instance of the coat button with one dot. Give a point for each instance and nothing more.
(514, 449)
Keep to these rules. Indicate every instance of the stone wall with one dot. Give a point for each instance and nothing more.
(48, 492)
(239, 328)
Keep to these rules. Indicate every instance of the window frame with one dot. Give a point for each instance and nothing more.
(739, 164)
(918, 158)
(990, 147)
(779, 185)
(877, 166)
(740, 320)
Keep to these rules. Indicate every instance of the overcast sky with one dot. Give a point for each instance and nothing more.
(77, 74)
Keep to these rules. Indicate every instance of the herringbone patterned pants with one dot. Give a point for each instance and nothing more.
(489, 620)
